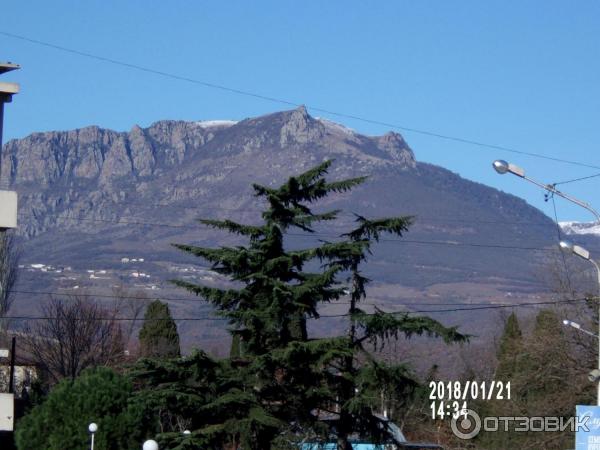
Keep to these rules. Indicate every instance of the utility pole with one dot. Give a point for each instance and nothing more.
(13, 351)
(8, 199)
(8, 219)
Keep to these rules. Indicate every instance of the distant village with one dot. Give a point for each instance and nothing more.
(71, 278)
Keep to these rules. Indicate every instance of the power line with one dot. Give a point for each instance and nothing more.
(419, 218)
(119, 222)
(200, 300)
(291, 103)
(576, 179)
(118, 319)
(449, 310)
(317, 235)
(106, 296)
(477, 308)
(135, 220)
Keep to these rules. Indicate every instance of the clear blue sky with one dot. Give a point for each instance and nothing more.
(521, 74)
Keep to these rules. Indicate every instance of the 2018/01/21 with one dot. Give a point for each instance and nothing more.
(469, 390)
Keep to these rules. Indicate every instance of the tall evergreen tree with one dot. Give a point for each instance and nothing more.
(546, 381)
(510, 349)
(288, 375)
(270, 310)
(543, 371)
(360, 385)
(268, 314)
(158, 336)
(511, 360)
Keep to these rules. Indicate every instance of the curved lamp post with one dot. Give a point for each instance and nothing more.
(577, 250)
(92, 428)
(584, 254)
(503, 167)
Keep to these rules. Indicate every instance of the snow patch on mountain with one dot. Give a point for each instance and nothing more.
(580, 227)
(216, 123)
(336, 126)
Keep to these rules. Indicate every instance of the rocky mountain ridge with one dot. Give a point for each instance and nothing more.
(91, 198)
(90, 171)
(579, 228)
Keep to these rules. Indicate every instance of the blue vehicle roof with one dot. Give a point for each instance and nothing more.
(332, 446)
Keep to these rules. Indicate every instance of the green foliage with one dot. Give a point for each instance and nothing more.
(546, 380)
(381, 326)
(541, 371)
(354, 400)
(269, 392)
(158, 335)
(277, 296)
(510, 349)
(212, 398)
(61, 421)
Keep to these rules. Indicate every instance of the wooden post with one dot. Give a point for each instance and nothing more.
(11, 382)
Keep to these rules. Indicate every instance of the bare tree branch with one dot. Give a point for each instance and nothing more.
(76, 333)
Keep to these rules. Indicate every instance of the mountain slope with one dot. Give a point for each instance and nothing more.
(91, 197)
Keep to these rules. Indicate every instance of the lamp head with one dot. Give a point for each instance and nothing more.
(500, 166)
(92, 428)
(503, 167)
(566, 246)
(150, 445)
(575, 249)
(570, 323)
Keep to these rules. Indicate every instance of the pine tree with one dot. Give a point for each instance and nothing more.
(510, 349)
(280, 372)
(158, 335)
(543, 372)
(360, 386)
(511, 359)
(268, 314)
(545, 381)
(270, 310)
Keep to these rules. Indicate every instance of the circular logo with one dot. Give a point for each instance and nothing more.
(467, 425)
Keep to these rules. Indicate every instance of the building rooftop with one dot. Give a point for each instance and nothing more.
(8, 66)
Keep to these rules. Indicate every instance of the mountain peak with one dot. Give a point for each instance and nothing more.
(394, 144)
(299, 127)
(301, 110)
(573, 228)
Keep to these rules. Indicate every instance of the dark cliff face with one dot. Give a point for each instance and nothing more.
(93, 171)
(104, 156)
(92, 193)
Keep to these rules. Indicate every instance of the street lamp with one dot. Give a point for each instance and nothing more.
(584, 254)
(150, 445)
(570, 323)
(92, 428)
(503, 167)
(594, 375)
